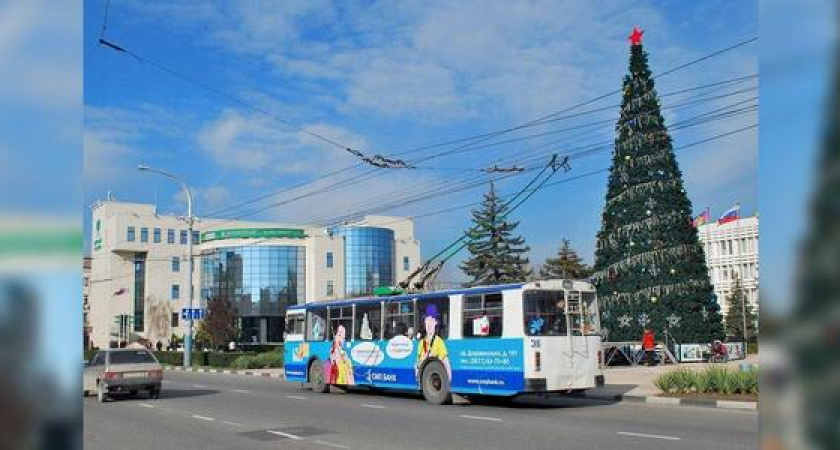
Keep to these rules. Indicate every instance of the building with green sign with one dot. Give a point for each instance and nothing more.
(138, 268)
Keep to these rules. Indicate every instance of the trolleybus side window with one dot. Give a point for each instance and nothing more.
(316, 324)
(399, 319)
(368, 321)
(438, 308)
(294, 324)
(341, 315)
(545, 313)
(483, 315)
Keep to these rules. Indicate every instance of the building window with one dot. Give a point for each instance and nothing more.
(157, 236)
(406, 263)
(259, 280)
(196, 237)
(130, 236)
(330, 288)
(144, 235)
(170, 236)
(174, 322)
(176, 292)
(176, 264)
(184, 236)
(482, 315)
(329, 259)
(139, 290)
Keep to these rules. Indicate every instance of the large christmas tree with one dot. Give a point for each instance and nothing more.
(650, 268)
(496, 255)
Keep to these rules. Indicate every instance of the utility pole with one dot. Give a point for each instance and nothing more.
(190, 220)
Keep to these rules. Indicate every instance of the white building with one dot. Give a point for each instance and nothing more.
(139, 266)
(732, 250)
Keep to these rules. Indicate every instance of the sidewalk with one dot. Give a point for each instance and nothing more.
(636, 383)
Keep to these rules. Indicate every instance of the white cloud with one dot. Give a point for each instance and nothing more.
(256, 143)
(206, 198)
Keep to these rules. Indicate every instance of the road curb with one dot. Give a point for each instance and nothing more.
(278, 375)
(678, 401)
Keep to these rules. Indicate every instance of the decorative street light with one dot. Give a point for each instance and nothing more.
(190, 219)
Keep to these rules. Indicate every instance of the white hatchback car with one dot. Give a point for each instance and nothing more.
(123, 370)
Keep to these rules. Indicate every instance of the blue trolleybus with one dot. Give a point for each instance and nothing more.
(503, 340)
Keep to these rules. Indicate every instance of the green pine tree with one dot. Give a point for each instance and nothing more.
(650, 267)
(497, 256)
(567, 264)
(734, 319)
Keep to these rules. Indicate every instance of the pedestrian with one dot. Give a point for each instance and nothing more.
(649, 346)
(159, 346)
(231, 346)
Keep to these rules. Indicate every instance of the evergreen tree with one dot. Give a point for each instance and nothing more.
(567, 264)
(496, 255)
(813, 337)
(734, 319)
(650, 268)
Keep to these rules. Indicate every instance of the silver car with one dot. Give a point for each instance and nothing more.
(125, 371)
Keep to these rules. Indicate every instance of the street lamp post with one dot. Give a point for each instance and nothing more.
(190, 219)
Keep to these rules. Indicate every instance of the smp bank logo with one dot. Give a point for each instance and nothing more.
(97, 239)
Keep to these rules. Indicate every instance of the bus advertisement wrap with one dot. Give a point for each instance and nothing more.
(493, 366)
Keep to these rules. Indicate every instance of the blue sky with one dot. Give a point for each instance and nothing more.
(386, 77)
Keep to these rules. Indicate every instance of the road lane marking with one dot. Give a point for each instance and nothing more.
(146, 405)
(652, 436)
(296, 397)
(233, 424)
(203, 418)
(242, 391)
(199, 386)
(330, 444)
(366, 405)
(490, 419)
(288, 435)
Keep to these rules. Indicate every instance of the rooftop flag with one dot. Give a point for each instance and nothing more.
(703, 218)
(730, 215)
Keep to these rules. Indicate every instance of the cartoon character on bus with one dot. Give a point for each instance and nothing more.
(341, 371)
(431, 345)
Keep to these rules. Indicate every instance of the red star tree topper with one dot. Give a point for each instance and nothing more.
(636, 36)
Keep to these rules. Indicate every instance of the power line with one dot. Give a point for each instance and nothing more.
(378, 161)
(370, 174)
(447, 186)
(546, 117)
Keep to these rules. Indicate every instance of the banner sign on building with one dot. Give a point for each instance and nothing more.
(253, 233)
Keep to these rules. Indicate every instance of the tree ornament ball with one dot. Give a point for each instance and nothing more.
(673, 271)
(653, 299)
(648, 212)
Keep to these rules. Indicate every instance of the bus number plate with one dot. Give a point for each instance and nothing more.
(535, 343)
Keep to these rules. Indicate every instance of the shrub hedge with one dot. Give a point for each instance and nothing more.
(214, 359)
(718, 380)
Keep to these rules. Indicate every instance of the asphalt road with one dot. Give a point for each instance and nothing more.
(217, 411)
